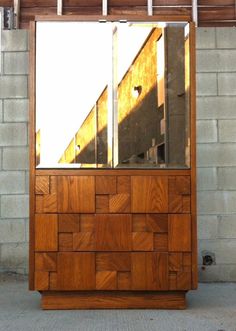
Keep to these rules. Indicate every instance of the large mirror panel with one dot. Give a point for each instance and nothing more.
(112, 95)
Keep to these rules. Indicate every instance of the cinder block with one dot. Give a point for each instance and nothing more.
(14, 40)
(216, 155)
(206, 179)
(227, 178)
(13, 134)
(205, 38)
(206, 84)
(1, 111)
(209, 273)
(12, 230)
(13, 87)
(1, 158)
(27, 230)
(227, 226)
(12, 182)
(227, 130)
(216, 107)
(216, 60)
(216, 202)
(27, 182)
(227, 83)
(15, 206)
(15, 158)
(15, 63)
(14, 255)
(16, 110)
(227, 272)
(206, 131)
(226, 37)
(224, 250)
(207, 227)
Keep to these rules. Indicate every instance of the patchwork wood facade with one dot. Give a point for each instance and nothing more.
(112, 238)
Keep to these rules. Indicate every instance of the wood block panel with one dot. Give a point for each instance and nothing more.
(76, 271)
(105, 184)
(113, 261)
(149, 194)
(161, 242)
(69, 222)
(113, 232)
(76, 194)
(183, 184)
(175, 203)
(41, 280)
(157, 271)
(45, 261)
(123, 184)
(46, 232)
(175, 261)
(139, 223)
(149, 271)
(123, 281)
(46, 203)
(184, 280)
(157, 222)
(142, 241)
(65, 242)
(106, 280)
(119, 203)
(83, 241)
(87, 223)
(102, 203)
(186, 203)
(179, 233)
(42, 185)
(52, 280)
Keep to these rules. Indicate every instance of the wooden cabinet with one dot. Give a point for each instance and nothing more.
(112, 238)
(113, 233)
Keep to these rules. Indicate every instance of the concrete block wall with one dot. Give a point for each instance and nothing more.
(216, 159)
(14, 152)
(216, 128)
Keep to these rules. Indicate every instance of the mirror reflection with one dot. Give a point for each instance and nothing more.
(112, 95)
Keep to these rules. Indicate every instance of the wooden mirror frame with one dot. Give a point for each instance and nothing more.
(42, 187)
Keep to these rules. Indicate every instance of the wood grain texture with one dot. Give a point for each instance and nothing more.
(84, 241)
(123, 281)
(119, 203)
(102, 204)
(160, 242)
(42, 185)
(106, 280)
(179, 233)
(87, 223)
(65, 242)
(157, 222)
(142, 241)
(41, 280)
(149, 271)
(76, 194)
(45, 261)
(149, 194)
(123, 184)
(105, 184)
(139, 223)
(112, 299)
(46, 232)
(46, 203)
(76, 271)
(113, 232)
(68, 222)
(113, 261)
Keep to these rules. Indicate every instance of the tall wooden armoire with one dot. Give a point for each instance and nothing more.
(113, 219)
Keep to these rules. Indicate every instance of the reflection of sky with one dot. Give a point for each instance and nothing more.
(73, 67)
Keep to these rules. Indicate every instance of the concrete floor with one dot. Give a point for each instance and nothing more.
(212, 307)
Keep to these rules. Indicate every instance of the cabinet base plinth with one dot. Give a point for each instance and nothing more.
(113, 300)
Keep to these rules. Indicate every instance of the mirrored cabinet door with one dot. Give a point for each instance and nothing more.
(112, 95)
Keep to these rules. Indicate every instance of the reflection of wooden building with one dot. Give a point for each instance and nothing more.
(145, 101)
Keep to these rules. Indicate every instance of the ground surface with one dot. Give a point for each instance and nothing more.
(212, 307)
